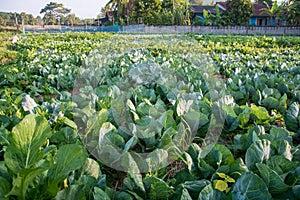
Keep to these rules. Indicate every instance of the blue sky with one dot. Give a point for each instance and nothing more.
(82, 8)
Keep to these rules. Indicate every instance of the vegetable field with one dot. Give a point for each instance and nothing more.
(117, 116)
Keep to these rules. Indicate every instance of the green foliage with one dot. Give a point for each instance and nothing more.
(250, 186)
(207, 17)
(269, 2)
(42, 155)
(148, 11)
(196, 2)
(28, 136)
(239, 11)
(294, 13)
(275, 10)
(6, 52)
(53, 11)
(13, 19)
(153, 12)
(212, 19)
(179, 18)
(167, 16)
(27, 158)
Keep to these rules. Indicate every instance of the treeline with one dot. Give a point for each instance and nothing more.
(17, 19)
(158, 12)
(154, 12)
(13, 19)
(177, 12)
(54, 14)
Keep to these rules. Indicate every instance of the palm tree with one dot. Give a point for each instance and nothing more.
(115, 5)
(274, 11)
(122, 7)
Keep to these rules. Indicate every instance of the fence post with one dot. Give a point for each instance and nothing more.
(115, 27)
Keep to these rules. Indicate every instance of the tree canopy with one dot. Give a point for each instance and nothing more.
(55, 8)
(293, 12)
(269, 2)
(54, 11)
(273, 11)
(14, 19)
(239, 11)
(154, 12)
(196, 2)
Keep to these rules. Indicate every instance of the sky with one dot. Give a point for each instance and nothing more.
(82, 8)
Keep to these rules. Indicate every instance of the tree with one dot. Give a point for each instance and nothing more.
(6, 19)
(216, 19)
(114, 5)
(153, 12)
(72, 19)
(147, 11)
(173, 4)
(16, 18)
(54, 11)
(239, 11)
(30, 19)
(49, 19)
(269, 2)
(102, 13)
(196, 2)
(208, 17)
(167, 17)
(122, 8)
(179, 18)
(23, 15)
(274, 11)
(293, 8)
(39, 21)
(178, 9)
(2, 21)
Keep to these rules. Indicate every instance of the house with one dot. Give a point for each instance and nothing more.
(197, 11)
(259, 18)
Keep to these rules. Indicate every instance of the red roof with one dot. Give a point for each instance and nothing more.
(257, 9)
(223, 4)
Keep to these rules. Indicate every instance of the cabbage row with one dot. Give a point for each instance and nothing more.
(116, 116)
